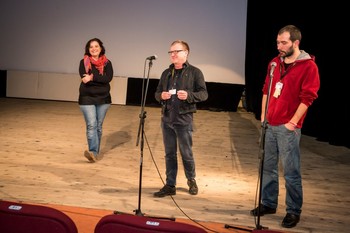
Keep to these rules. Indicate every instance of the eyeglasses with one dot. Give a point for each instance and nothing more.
(175, 52)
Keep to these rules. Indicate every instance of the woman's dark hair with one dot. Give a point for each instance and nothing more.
(87, 46)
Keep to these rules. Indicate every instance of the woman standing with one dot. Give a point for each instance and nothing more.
(96, 72)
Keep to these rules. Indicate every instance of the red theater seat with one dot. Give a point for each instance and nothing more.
(125, 223)
(28, 218)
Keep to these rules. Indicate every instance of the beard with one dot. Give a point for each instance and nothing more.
(287, 53)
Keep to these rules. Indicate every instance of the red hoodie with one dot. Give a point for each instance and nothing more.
(301, 83)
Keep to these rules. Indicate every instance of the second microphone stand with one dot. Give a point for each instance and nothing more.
(140, 134)
(261, 155)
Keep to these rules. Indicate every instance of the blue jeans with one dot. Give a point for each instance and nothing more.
(181, 135)
(282, 144)
(94, 116)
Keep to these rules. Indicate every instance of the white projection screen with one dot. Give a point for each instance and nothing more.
(50, 35)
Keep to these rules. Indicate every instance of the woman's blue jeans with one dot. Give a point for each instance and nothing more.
(282, 144)
(173, 136)
(94, 116)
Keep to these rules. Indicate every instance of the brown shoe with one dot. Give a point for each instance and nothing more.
(193, 188)
(90, 156)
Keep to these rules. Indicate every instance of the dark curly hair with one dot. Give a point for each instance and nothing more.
(87, 46)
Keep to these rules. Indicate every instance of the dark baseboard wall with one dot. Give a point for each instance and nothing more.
(3, 83)
(222, 96)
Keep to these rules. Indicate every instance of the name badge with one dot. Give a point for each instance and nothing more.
(172, 91)
(278, 89)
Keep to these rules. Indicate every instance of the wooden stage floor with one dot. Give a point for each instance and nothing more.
(41, 161)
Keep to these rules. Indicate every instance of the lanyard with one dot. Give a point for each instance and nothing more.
(286, 70)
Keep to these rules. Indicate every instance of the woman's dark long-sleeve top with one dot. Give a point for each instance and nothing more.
(96, 91)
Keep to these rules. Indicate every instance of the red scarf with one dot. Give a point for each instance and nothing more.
(100, 63)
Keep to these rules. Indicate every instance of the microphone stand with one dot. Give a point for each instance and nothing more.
(262, 151)
(140, 139)
(140, 134)
(261, 157)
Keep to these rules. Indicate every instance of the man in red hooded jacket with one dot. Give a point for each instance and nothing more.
(291, 86)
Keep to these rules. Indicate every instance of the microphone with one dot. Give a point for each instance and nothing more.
(154, 57)
(273, 66)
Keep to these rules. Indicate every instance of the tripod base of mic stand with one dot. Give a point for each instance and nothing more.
(265, 231)
(256, 230)
(119, 212)
(139, 213)
(238, 228)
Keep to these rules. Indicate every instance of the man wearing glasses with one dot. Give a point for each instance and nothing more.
(180, 87)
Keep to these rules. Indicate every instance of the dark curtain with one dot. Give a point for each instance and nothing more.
(328, 118)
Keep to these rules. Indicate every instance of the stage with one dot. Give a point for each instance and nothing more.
(41, 161)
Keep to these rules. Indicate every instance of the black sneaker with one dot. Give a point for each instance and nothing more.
(165, 191)
(263, 210)
(291, 220)
(193, 188)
